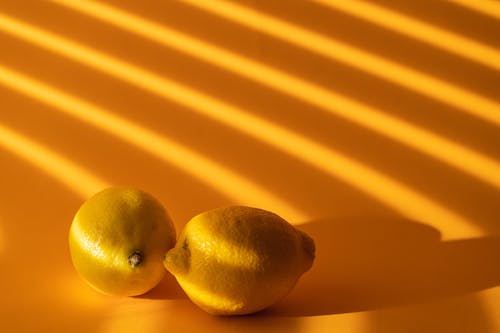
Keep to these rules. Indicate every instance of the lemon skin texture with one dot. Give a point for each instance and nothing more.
(118, 239)
(238, 260)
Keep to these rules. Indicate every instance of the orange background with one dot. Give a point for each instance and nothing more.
(372, 126)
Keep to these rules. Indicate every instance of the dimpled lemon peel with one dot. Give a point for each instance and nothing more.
(239, 260)
(118, 239)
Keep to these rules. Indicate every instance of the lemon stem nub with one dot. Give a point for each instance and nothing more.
(135, 259)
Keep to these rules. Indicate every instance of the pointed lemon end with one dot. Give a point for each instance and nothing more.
(309, 249)
(177, 260)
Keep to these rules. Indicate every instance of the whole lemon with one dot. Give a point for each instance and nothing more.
(239, 260)
(118, 239)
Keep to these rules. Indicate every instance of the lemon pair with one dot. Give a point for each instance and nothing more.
(232, 260)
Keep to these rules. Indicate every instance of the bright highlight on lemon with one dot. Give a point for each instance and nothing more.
(239, 260)
(118, 239)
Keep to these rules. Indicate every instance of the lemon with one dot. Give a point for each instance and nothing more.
(118, 239)
(239, 260)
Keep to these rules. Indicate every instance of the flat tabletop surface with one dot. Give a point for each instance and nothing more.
(372, 126)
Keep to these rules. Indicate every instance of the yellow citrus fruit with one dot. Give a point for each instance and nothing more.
(118, 239)
(239, 260)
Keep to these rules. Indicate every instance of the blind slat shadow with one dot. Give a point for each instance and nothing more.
(247, 123)
(423, 112)
(231, 148)
(425, 32)
(76, 178)
(282, 55)
(473, 21)
(488, 8)
(417, 138)
(396, 195)
(399, 74)
(201, 167)
(363, 115)
(121, 163)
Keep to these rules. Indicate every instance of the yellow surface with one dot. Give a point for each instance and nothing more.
(374, 126)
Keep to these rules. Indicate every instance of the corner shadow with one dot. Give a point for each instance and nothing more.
(367, 264)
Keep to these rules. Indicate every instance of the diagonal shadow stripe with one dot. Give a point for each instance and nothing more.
(78, 179)
(485, 7)
(225, 181)
(411, 79)
(2, 236)
(427, 142)
(419, 30)
(383, 188)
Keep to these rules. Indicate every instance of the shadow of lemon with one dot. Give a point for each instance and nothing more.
(369, 264)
